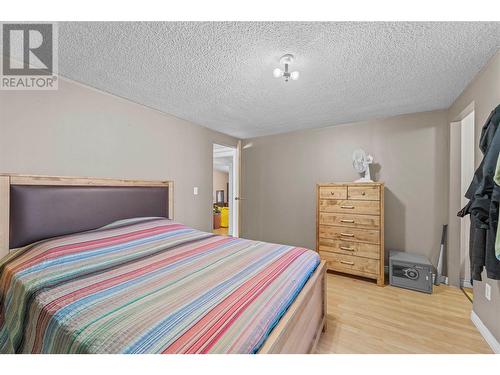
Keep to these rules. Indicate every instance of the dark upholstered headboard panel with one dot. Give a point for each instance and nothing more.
(39, 212)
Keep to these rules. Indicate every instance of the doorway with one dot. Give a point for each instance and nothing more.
(466, 175)
(225, 190)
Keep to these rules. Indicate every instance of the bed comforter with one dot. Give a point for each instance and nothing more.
(147, 286)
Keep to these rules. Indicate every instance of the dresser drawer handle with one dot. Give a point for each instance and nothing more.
(347, 221)
(347, 234)
(346, 248)
(332, 193)
(350, 207)
(346, 262)
(363, 193)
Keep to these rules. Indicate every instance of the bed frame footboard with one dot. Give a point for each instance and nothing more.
(299, 330)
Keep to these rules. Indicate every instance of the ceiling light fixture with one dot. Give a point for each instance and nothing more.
(286, 60)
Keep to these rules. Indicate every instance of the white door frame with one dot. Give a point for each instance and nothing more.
(455, 197)
(467, 133)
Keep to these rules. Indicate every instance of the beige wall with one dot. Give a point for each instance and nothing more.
(79, 131)
(482, 95)
(280, 175)
(221, 179)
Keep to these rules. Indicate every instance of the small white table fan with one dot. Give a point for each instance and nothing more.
(361, 163)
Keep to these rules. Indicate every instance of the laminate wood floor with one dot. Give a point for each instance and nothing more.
(221, 231)
(365, 318)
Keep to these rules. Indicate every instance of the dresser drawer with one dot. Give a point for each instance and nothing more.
(350, 206)
(364, 192)
(349, 263)
(353, 221)
(333, 192)
(360, 249)
(349, 234)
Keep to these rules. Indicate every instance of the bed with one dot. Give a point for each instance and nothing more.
(100, 266)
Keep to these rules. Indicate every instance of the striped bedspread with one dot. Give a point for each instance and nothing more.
(147, 285)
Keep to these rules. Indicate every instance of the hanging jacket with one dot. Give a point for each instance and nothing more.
(497, 187)
(483, 203)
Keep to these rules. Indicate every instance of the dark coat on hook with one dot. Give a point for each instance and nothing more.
(484, 197)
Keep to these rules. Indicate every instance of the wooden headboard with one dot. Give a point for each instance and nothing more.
(34, 208)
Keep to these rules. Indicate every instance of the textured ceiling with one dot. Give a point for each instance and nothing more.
(219, 74)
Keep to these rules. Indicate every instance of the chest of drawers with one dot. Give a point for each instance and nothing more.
(350, 228)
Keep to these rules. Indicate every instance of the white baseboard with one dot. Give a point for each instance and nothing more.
(485, 332)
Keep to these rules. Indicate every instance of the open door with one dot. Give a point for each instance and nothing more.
(237, 191)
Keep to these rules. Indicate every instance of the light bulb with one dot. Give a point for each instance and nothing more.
(294, 75)
(277, 73)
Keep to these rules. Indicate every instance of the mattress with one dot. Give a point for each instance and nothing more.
(147, 285)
